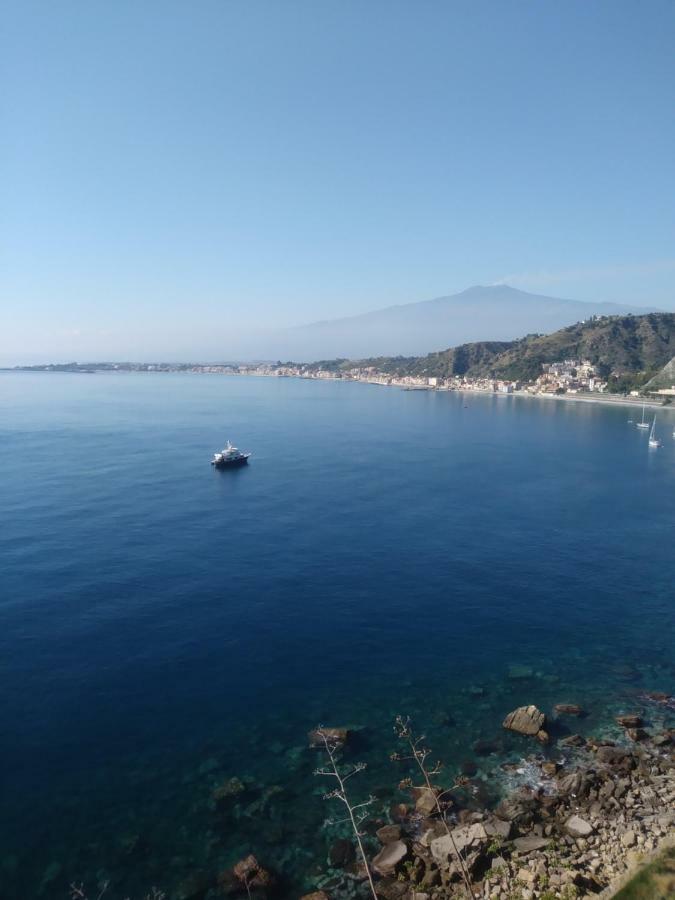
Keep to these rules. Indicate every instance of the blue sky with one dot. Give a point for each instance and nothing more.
(174, 174)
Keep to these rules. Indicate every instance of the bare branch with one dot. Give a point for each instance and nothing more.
(340, 793)
(403, 728)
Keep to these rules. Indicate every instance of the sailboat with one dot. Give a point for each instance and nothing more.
(643, 424)
(653, 440)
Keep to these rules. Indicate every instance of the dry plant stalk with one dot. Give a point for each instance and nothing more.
(356, 813)
(79, 892)
(419, 755)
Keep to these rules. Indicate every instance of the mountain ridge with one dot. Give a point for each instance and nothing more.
(624, 345)
(481, 312)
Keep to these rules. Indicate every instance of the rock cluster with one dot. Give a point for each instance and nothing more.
(598, 816)
(604, 806)
(592, 809)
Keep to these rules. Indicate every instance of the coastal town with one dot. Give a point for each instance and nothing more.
(567, 377)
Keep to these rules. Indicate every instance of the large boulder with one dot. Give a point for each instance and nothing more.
(569, 785)
(497, 828)
(531, 842)
(527, 720)
(444, 849)
(577, 827)
(517, 808)
(389, 857)
(615, 756)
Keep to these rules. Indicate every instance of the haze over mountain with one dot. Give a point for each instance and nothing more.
(480, 313)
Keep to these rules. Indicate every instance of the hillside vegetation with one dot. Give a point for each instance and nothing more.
(623, 345)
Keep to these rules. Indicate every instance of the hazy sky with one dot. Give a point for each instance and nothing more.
(173, 172)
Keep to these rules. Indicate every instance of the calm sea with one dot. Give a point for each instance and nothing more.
(166, 626)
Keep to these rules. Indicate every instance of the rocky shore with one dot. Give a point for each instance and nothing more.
(584, 813)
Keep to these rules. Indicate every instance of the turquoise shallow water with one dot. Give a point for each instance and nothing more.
(166, 626)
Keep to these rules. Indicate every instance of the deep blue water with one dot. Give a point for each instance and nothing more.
(165, 625)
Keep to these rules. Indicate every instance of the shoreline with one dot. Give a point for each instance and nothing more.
(577, 398)
(605, 399)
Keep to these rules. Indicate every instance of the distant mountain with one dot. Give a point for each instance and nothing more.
(495, 313)
(627, 345)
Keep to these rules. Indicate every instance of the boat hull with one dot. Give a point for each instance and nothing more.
(230, 463)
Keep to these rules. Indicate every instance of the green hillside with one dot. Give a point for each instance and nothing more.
(634, 348)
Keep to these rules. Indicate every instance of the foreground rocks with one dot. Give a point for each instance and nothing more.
(594, 810)
(600, 811)
(584, 813)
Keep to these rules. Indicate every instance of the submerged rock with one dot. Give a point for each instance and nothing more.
(194, 887)
(469, 768)
(573, 740)
(336, 738)
(568, 709)
(486, 748)
(657, 697)
(50, 875)
(636, 734)
(342, 853)
(250, 873)
(629, 721)
(227, 790)
(519, 672)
